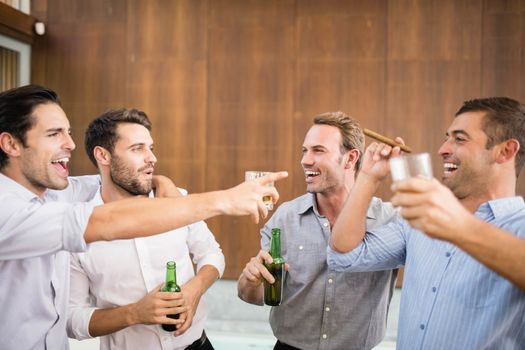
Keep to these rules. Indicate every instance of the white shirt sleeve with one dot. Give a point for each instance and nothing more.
(81, 305)
(204, 248)
(34, 228)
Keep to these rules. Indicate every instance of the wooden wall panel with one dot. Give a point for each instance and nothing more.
(250, 101)
(167, 78)
(433, 65)
(233, 85)
(503, 45)
(341, 64)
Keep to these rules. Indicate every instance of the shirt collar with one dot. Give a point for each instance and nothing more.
(500, 208)
(97, 198)
(20, 190)
(308, 201)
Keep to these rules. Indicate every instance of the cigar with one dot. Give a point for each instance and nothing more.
(386, 140)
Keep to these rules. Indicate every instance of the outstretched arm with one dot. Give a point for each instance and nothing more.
(433, 209)
(136, 217)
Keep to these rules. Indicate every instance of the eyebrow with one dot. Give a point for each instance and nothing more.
(314, 147)
(140, 144)
(458, 132)
(57, 129)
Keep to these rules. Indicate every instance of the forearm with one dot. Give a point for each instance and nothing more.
(249, 292)
(107, 321)
(350, 226)
(204, 278)
(138, 217)
(497, 249)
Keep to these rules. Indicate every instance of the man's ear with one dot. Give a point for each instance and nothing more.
(507, 150)
(10, 145)
(102, 155)
(352, 158)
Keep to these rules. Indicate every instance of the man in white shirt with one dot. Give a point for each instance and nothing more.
(110, 281)
(38, 226)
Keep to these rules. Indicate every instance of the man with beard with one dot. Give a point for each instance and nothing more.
(39, 226)
(450, 300)
(322, 308)
(115, 286)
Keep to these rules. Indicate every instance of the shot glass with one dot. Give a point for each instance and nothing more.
(255, 174)
(413, 165)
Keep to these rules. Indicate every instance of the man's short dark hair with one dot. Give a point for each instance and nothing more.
(504, 119)
(103, 130)
(16, 111)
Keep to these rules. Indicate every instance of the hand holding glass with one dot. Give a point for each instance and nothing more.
(415, 165)
(255, 174)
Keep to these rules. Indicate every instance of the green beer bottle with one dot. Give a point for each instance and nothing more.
(170, 286)
(273, 293)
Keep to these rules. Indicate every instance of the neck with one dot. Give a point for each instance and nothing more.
(15, 174)
(501, 188)
(331, 204)
(111, 192)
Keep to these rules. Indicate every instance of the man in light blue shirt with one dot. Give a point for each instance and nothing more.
(450, 300)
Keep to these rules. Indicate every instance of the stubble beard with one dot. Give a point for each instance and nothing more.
(127, 179)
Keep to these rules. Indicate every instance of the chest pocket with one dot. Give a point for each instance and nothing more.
(306, 261)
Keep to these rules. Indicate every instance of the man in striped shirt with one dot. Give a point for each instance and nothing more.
(453, 297)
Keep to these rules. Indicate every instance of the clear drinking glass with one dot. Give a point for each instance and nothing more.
(412, 165)
(254, 174)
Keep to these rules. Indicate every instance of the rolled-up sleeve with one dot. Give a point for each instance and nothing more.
(204, 248)
(80, 302)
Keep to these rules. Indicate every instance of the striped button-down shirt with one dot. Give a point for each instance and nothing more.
(449, 299)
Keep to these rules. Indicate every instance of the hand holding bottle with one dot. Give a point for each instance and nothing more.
(255, 270)
(154, 306)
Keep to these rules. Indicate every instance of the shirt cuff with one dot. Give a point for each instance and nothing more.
(215, 260)
(341, 261)
(78, 322)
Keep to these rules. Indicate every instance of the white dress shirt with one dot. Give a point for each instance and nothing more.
(35, 234)
(117, 273)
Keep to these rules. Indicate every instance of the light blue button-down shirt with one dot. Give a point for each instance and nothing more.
(449, 300)
(35, 234)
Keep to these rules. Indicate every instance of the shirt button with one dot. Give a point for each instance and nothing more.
(324, 336)
(327, 309)
(434, 289)
(325, 224)
(422, 326)
(301, 247)
(330, 280)
(447, 254)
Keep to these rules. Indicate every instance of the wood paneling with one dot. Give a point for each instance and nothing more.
(503, 50)
(250, 101)
(233, 85)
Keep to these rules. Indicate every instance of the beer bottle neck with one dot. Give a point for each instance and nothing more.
(275, 247)
(171, 274)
